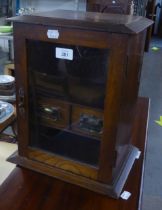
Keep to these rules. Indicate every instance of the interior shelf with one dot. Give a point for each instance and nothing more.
(63, 143)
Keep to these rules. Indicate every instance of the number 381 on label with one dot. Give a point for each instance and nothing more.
(64, 53)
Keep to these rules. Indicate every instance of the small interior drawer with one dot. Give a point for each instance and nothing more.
(87, 121)
(53, 112)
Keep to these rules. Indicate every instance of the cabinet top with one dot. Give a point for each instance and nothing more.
(115, 23)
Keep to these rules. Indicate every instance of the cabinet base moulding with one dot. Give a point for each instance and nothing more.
(112, 190)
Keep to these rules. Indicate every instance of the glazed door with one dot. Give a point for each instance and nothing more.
(67, 115)
(66, 85)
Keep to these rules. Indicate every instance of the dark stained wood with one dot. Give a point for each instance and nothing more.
(70, 36)
(25, 189)
(131, 82)
(60, 162)
(122, 7)
(114, 90)
(116, 23)
(21, 109)
(108, 6)
(125, 51)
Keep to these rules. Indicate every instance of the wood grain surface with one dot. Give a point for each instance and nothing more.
(25, 189)
(115, 23)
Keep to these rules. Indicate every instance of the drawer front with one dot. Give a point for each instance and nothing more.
(54, 113)
(87, 121)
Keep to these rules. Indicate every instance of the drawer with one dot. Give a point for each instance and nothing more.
(54, 113)
(87, 121)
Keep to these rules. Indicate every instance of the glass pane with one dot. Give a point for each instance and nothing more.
(67, 90)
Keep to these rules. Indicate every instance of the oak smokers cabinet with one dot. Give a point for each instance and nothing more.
(77, 79)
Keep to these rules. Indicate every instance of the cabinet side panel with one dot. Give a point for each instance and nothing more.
(112, 106)
(130, 95)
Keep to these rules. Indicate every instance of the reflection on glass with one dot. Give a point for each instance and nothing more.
(67, 90)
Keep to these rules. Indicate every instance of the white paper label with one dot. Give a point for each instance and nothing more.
(64, 53)
(125, 195)
(53, 34)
